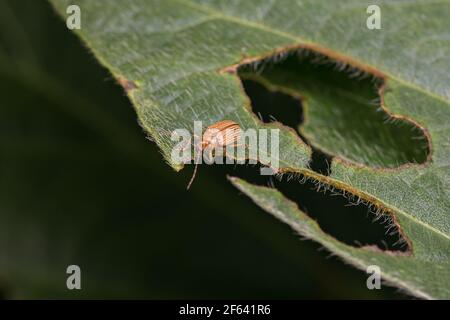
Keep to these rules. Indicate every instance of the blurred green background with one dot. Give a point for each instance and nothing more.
(80, 184)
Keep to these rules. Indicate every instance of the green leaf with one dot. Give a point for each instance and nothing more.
(171, 55)
(341, 116)
(80, 184)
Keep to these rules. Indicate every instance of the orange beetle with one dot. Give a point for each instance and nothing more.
(219, 134)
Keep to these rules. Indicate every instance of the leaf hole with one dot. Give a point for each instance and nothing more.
(334, 108)
(340, 214)
(278, 106)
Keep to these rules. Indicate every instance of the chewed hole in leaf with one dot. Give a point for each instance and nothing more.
(278, 106)
(341, 215)
(335, 109)
(344, 216)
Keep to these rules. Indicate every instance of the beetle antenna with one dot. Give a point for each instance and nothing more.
(193, 176)
(195, 171)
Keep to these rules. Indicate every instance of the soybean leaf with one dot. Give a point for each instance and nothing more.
(172, 57)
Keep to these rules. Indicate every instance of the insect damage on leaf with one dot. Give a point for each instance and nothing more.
(295, 88)
(334, 108)
(356, 221)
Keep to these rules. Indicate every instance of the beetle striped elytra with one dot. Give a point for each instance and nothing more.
(218, 135)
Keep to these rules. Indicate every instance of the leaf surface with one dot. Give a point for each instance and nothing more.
(172, 55)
